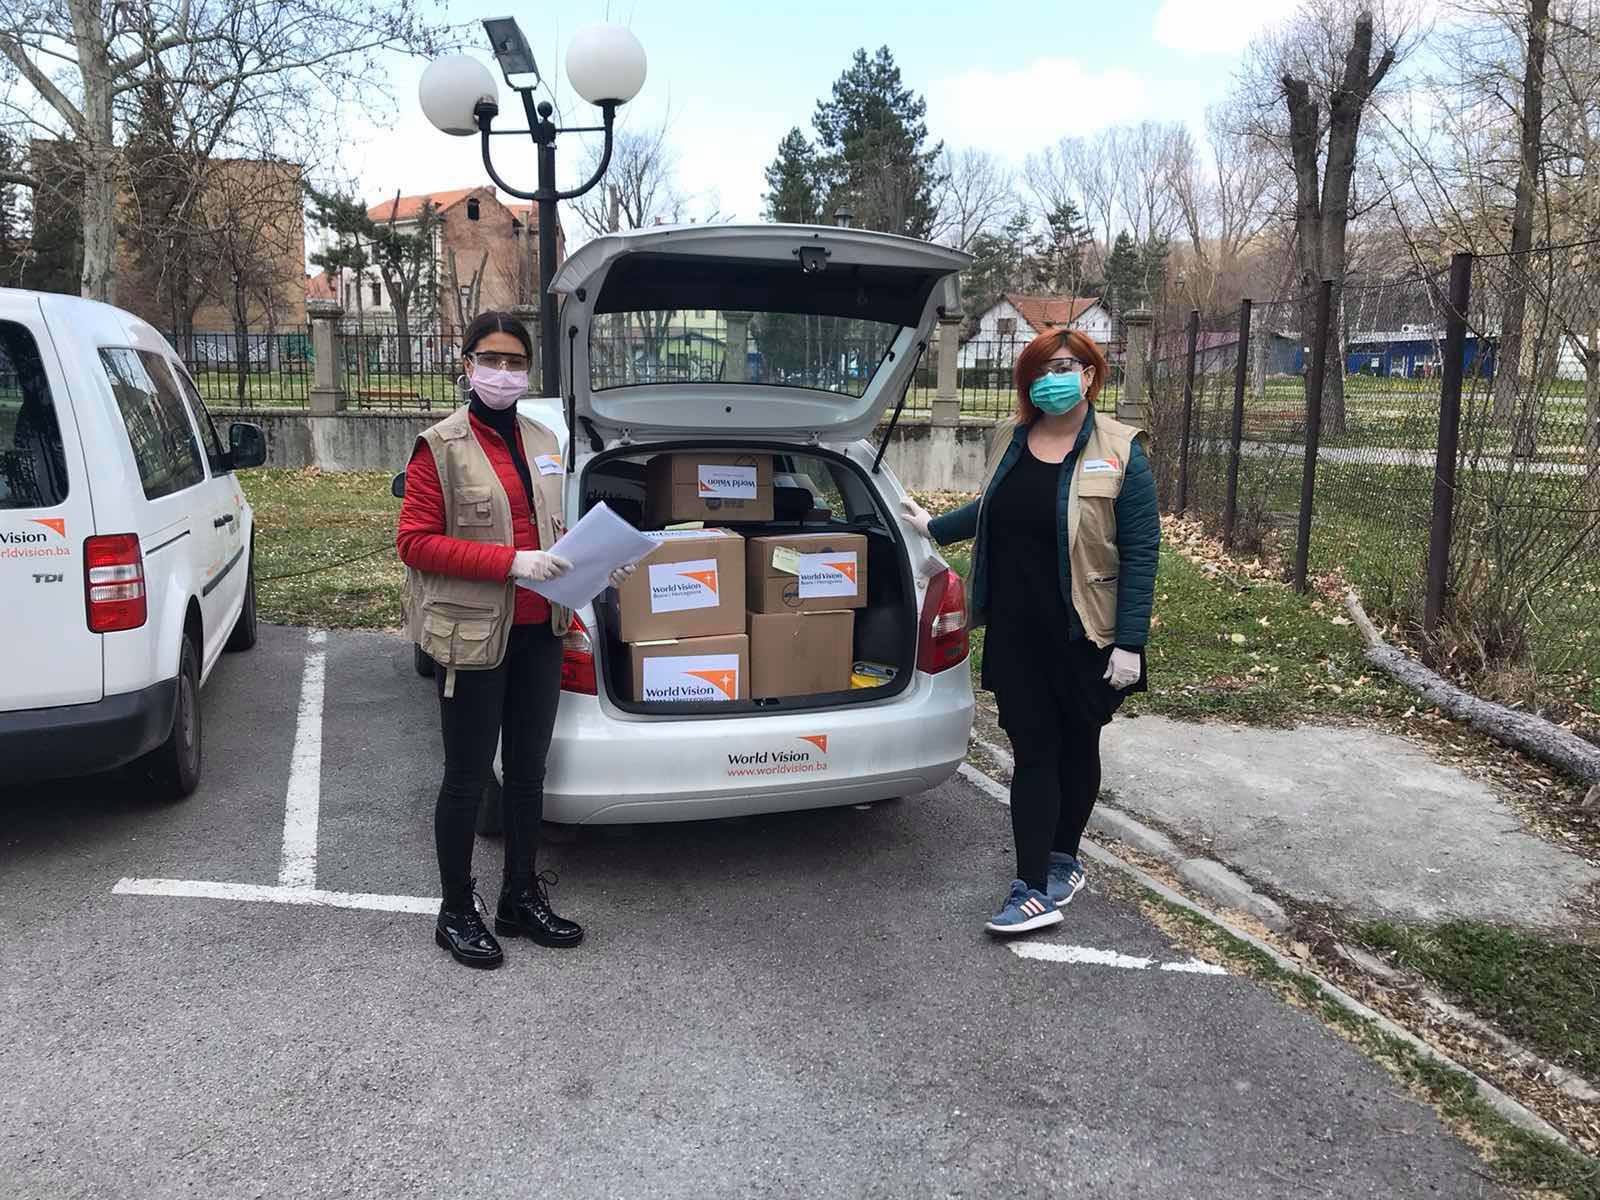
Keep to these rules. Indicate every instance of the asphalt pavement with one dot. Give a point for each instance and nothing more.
(795, 1005)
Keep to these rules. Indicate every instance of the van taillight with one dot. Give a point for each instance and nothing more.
(942, 640)
(113, 582)
(577, 660)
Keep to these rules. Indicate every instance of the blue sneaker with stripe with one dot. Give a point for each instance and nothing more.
(1065, 879)
(1024, 910)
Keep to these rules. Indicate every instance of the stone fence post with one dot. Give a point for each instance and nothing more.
(327, 394)
(736, 359)
(1133, 401)
(528, 316)
(947, 392)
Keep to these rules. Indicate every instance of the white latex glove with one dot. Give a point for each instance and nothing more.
(620, 575)
(1123, 669)
(916, 516)
(538, 566)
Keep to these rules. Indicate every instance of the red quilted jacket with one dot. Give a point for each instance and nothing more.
(424, 545)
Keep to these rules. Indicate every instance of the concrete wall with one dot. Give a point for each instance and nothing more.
(924, 457)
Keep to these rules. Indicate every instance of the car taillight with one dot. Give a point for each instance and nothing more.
(577, 660)
(942, 640)
(113, 582)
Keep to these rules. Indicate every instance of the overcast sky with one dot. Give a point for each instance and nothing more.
(736, 75)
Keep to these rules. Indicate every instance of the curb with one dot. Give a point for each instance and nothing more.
(1512, 1110)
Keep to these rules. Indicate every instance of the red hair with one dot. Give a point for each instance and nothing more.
(1030, 365)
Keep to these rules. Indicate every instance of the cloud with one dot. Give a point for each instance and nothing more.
(1014, 113)
(1215, 26)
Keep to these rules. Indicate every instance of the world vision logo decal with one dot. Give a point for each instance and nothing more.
(726, 682)
(847, 568)
(783, 761)
(707, 578)
(56, 523)
(35, 543)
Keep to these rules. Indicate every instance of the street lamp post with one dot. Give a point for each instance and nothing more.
(605, 65)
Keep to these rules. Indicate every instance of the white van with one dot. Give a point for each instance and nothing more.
(126, 545)
(834, 322)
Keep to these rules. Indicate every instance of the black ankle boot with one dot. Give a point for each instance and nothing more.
(461, 931)
(525, 911)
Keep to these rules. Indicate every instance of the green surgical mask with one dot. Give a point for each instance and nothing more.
(1056, 394)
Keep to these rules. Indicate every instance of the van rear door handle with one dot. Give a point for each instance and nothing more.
(221, 521)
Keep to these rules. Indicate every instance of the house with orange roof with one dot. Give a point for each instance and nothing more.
(1015, 319)
(489, 248)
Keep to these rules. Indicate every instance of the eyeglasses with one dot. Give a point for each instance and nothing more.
(501, 362)
(1062, 366)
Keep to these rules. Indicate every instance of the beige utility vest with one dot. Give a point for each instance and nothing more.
(1091, 520)
(466, 623)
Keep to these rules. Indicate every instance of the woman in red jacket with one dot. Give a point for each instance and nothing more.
(483, 497)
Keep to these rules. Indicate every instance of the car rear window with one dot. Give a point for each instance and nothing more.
(163, 441)
(33, 463)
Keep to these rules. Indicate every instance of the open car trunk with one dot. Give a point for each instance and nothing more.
(816, 491)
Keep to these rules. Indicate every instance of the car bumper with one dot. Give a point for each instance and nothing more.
(80, 739)
(609, 768)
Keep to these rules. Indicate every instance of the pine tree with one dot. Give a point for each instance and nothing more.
(1153, 257)
(792, 182)
(1124, 275)
(873, 150)
(1003, 265)
(11, 221)
(1058, 252)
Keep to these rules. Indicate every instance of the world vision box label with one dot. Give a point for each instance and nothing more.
(691, 677)
(680, 586)
(728, 482)
(828, 575)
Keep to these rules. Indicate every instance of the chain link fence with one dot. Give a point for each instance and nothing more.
(1455, 479)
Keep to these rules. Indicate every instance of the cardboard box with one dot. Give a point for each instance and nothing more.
(708, 487)
(692, 585)
(691, 670)
(806, 572)
(800, 653)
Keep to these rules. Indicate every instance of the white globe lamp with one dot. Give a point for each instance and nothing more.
(605, 64)
(451, 90)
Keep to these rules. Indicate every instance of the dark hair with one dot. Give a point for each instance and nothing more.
(489, 322)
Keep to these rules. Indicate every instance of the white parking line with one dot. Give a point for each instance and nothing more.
(305, 773)
(208, 890)
(1055, 952)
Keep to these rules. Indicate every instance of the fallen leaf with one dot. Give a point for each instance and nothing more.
(1237, 639)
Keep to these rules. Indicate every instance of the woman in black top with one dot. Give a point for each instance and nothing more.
(1055, 683)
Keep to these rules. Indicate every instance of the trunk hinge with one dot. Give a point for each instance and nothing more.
(626, 438)
(883, 446)
(814, 438)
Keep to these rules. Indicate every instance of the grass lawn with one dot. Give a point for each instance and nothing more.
(1545, 994)
(310, 520)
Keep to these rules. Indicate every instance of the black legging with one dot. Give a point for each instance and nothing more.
(516, 704)
(1054, 783)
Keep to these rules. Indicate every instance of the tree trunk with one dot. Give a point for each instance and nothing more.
(241, 355)
(1531, 138)
(98, 153)
(1591, 394)
(402, 329)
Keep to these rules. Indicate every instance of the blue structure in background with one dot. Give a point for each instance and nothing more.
(1414, 354)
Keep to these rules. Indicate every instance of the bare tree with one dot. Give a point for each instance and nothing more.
(1227, 197)
(1151, 153)
(641, 183)
(1087, 172)
(977, 196)
(82, 59)
(1310, 83)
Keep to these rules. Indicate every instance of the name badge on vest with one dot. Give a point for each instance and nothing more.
(1101, 466)
(548, 464)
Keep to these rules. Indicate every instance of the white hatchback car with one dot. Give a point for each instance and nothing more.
(834, 322)
(126, 545)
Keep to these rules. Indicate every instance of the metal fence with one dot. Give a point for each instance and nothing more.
(1450, 471)
(985, 379)
(249, 370)
(383, 369)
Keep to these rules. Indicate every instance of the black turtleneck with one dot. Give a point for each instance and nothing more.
(504, 422)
